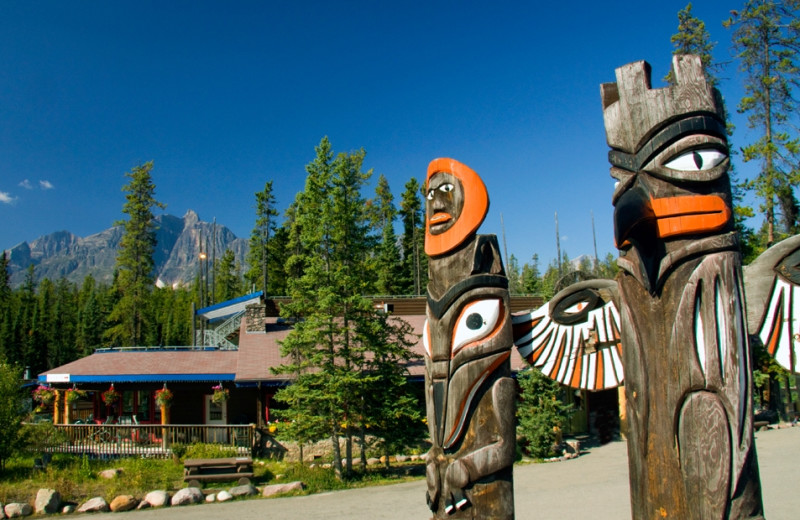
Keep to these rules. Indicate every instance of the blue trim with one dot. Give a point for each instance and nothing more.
(234, 301)
(146, 378)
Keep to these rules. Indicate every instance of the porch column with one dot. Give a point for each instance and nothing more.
(57, 407)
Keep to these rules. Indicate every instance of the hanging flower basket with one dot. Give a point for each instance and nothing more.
(73, 394)
(110, 396)
(44, 394)
(164, 397)
(220, 394)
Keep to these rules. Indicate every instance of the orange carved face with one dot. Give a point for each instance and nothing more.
(457, 203)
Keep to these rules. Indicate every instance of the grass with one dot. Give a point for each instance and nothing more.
(76, 478)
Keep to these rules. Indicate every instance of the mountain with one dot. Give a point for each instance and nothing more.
(177, 254)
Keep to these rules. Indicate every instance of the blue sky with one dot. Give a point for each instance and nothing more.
(224, 96)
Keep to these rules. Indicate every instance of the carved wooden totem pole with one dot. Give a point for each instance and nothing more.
(469, 392)
(684, 338)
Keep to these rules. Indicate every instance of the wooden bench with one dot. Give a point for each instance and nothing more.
(196, 471)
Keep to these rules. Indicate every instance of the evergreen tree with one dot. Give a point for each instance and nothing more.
(514, 276)
(388, 264)
(10, 416)
(134, 281)
(766, 39)
(6, 308)
(258, 257)
(415, 262)
(541, 414)
(531, 276)
(692, 38)
(229, 282)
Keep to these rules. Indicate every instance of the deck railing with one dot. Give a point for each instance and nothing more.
(146, 440)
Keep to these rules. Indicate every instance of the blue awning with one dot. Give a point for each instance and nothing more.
(228, 308)
(136, 378)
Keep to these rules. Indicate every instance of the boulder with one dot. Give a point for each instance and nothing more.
(144, 504)
(279, 489)
(48, 501)
(372, 461)
(224, 496)
(110, 473)
(401, 458)
(123, 503)
(186, 496)
(94, 505)
(16, 510)
(243, 491)
(211, 498)
(158, 498)
(68, 509)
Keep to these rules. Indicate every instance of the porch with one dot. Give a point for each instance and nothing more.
(148, 440)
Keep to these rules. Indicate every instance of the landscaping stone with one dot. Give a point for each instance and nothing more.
(68, 509)
(16, 510)
(211, 498)
(243, 491)
(401, 458)
(144, 504)
(224, 496)
(157, 498)
(186, 496)
(372, 461)
(279, 489)
(110, 473)
(123, 503)
(94, 505)
(48, 501)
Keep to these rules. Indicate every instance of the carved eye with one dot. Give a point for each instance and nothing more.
(430, 194)
(696, 160)
(446, 188)
(477, 320)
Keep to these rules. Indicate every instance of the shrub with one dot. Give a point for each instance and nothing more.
(208, 451)
(540, 413)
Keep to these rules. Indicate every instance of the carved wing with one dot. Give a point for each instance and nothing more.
(772, 288)
(574, 339)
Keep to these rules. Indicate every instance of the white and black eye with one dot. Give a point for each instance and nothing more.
(697, 160)
(430, 194)
(477, 320)
(446, 188)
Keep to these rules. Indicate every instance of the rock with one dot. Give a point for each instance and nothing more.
(401, 458)
(68, 509)
(186, 496)
(211, 498)
(157, 498)
(372, 461)
(110, 473)
(48, 501)
(224, 496)
(279, 489)
(16, 510)
(415, 458)
(144, 504)
(94, 505)
(123, 503)
(243, 491)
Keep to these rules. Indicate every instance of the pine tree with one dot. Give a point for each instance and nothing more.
(134, 281)
(415, 262)
(229, 283)
(388, 265)
(693, 38)
(540, 412)
(766, 39)
(6, 308)
(258, 257)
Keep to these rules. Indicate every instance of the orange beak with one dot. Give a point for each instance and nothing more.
(690, 215)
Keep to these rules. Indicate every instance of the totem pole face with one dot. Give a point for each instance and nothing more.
(445, 202)
(670, 166)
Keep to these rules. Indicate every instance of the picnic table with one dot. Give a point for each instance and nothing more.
(196, 471)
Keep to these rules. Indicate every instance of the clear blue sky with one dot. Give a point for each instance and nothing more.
(224, 96)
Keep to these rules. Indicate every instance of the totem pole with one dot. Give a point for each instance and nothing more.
(684, 337)
(469, 393)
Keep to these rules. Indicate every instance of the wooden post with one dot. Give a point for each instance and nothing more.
(469, 392)
(164, 421)
(57, 407)
(685, 351)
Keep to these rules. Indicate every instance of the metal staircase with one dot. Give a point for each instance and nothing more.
(218, 337)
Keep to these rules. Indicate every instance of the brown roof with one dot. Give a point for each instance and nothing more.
(258, 352)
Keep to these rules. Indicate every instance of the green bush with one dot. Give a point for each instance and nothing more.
(208, 451)
(540, 413)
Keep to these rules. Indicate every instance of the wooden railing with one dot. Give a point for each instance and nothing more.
(140, 440)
